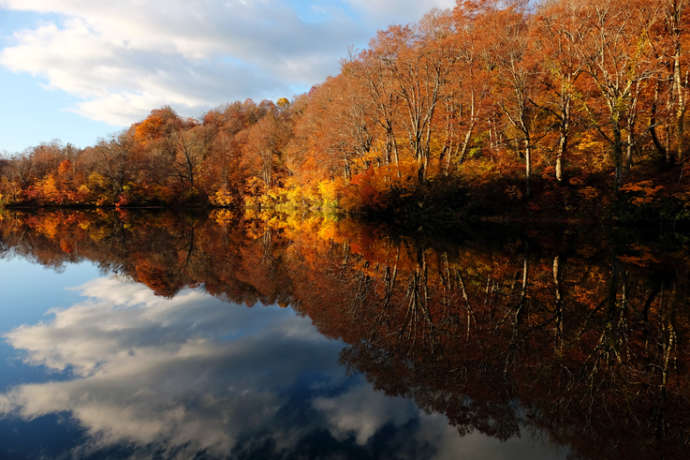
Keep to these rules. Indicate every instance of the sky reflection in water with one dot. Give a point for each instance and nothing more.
(116, 371)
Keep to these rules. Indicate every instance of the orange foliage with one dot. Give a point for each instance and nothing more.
(482, 97)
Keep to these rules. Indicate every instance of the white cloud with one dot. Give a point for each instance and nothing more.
(398, 11)
(363, 412)
(121, 319)
(125, 58)
(191, 372)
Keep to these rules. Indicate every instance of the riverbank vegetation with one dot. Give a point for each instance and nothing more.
(562, 109)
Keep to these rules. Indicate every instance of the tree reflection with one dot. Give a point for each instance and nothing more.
(584, 340)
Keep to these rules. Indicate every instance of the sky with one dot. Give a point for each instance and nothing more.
(80, 70)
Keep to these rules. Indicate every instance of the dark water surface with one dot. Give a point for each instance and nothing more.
(138, 335)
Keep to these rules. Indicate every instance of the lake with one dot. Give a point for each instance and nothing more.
(153, 334)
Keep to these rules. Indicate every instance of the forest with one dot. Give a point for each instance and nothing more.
(559, 108)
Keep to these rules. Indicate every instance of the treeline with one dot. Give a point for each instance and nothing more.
(551, 105)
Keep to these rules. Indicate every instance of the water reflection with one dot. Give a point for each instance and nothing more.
(450, 349)
(193, 374)
(189, 371)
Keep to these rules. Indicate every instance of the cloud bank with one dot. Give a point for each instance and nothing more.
(121, 59)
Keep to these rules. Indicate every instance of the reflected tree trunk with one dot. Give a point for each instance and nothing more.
(558, 311)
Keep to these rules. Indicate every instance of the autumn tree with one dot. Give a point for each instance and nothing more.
(190, 150)
(420, 71)
(514, 75)
(266, 140)
(615, 54)
(375, 69)
(669, 41)
(465, 98)
(554, 37)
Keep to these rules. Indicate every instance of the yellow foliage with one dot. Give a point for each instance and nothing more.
(221, 198)
(255, 186)
(96, 179)
(83, 190)
(250, 212)
(295, 195)
(48, 187)
(328, 189)
(370, 158)
(222, 216)
(98, 234)
(327, 230)
(250, 204)
(593, 151)
(48, 227)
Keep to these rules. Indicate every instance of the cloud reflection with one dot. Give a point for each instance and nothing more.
(190, 374)
(191, 370)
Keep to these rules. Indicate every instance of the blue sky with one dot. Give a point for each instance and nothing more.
(79, 70)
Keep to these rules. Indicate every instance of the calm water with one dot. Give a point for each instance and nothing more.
(154, 335)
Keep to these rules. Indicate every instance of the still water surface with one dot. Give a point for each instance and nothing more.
(136, 336)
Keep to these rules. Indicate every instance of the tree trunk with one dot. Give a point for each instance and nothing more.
(558, 323)
(678, 84)
(421, 169)
(562, 147)
(629, 152)
(470, 129)
(653, 122)
(618, 155)
(528, 167)
(563, 141)
(390, 140)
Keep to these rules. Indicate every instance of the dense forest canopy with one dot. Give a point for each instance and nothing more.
(553, 103)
